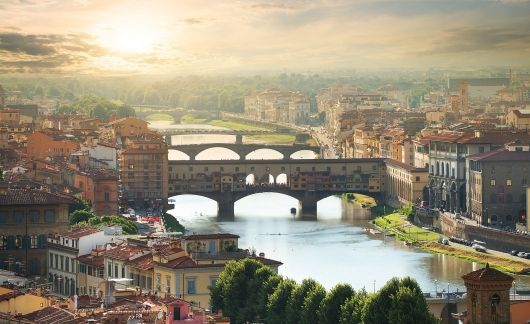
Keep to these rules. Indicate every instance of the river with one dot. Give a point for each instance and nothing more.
(333, 248)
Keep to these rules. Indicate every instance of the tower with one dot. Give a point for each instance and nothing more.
(488, 296)
(464, 96)
(2, 96)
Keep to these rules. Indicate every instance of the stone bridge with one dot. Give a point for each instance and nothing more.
(192, 150)
(308, 180)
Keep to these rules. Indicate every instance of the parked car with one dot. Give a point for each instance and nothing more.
(522, 255)
(514, 252)
(479, 248)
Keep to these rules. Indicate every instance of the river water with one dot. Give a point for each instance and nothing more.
(332, 249)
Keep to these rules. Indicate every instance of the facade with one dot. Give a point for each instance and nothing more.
(143, 171)
(50, 143)
(405, 184)
(106, 153)
(90, 276)
(488, 296)
(100, 189)
(9, 116)
(299, 111)
(117, 131)
(518, 119)
(275, 105)
(27, 217)
(497, 187)
(64, 251)
(447, 153)
(421, 153)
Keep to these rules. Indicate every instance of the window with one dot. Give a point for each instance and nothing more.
(213, 281)
(492, 182)
(131, 166)
(50, 216)
(508, 182)
(115, 271)
(82, 268)
(3, 242)
(158, 281)
(191, 286)
(34, 216)
(417, 178)
(123, 272)
(18, 242)
(51, 260)
(107, 196)
(109, 270)
(34, 242)
(67, 264)
(3, 216)
(168, 284)
(61, 262)
(481, 149)
(18, 216)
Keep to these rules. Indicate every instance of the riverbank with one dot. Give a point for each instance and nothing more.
(427, 241)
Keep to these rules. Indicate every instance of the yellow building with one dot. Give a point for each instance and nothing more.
(17, 302)
(519, 119)
(405, 183)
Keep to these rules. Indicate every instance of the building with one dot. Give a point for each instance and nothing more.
(488, 296)
(299, 111)
(64, 251)
(100, 189)
(9, 116)
(27, 217)
(497, 187)
(90, 276)
(117, 131)
(405, 183)
(50, 143)
(518, 119)
(17, 302)
(143, 168)
(447, 153)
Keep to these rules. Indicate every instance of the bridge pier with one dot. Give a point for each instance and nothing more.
(308, 204)
(225, 206)
(168, 140)
(239, 139)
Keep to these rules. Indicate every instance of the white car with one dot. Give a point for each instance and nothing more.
(479, 248)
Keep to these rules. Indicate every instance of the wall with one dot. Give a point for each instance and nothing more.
(23, 304)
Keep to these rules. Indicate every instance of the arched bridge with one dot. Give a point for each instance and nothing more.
(192, 150)
(227, 181)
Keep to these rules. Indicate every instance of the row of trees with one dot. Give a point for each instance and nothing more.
(248, 291)
(84, 217)
(97, 107)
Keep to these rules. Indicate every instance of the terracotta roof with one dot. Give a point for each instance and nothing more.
(122, 252)
(50, 315)
(92, 260)
(405, 166)
(178, 263)
(487, 274)
(144, 262)
(33, 197)
(11, 294)
(501, 155)
(210, 236)
(80, 232)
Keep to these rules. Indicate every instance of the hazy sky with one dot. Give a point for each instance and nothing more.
(198, 36)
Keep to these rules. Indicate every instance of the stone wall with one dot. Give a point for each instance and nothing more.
(499, 240)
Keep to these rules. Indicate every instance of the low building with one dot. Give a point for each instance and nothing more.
(27, 217)
(14, 301)
(90, 275)
(100, 189)
(519, 119)
(497, 186)
(405, 183)
(64, 251)
(50, 143)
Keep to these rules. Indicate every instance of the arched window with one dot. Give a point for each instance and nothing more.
(447, 170)
(437, 168)
(495, 300)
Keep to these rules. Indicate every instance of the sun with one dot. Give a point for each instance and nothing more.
(130, 35)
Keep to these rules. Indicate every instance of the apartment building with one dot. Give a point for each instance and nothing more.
(100, 189)
(50, 143)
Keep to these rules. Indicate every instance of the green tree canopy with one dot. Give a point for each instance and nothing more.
(128, 226)
(308, 313)
(80, 215)
(329, 310)
(351, 311)
(238, 290)
(277, 304)
(294, 306)
(392, 302)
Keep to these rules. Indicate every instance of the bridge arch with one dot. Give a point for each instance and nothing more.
(259, 154)
(303, 154)
(213, 153)
(173, 154)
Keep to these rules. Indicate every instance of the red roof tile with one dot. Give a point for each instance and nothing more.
(487, 274)
(33, 197)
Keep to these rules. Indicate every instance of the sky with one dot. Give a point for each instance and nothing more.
(217, 36)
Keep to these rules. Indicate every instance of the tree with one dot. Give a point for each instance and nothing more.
(308, 313)
(238, 290)
(329, 310)
(278, 300)
(396, 304)
(352, 310)
(408, 307)
(80, 204)
(265, 291)
(80, 216)
(294, 306)
(128, 226)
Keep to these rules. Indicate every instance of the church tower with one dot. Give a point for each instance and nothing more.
(488, 296)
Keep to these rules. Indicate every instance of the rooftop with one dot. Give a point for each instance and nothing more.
(33, 197)
(210, 236)
(80, 232)
(501, 156)
(487, 274)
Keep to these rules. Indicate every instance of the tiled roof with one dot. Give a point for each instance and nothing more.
(80, 232)
(92, 260)
(50, 315)
(122, 252)
(405, 166)
(33, 197)
(144, 262)
(501, 155)
(210, 236)
(487, 274)
(178, 263)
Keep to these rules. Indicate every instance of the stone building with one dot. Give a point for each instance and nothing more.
(100, 189)
(519, 119)
(27, 217)
(50, 143)
(405, 183)
(497, 187)
(488, 296)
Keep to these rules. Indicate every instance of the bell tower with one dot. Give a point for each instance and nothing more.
(488, 296)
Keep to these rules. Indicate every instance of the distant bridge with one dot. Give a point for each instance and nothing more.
(242, 150)
(309, 181)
